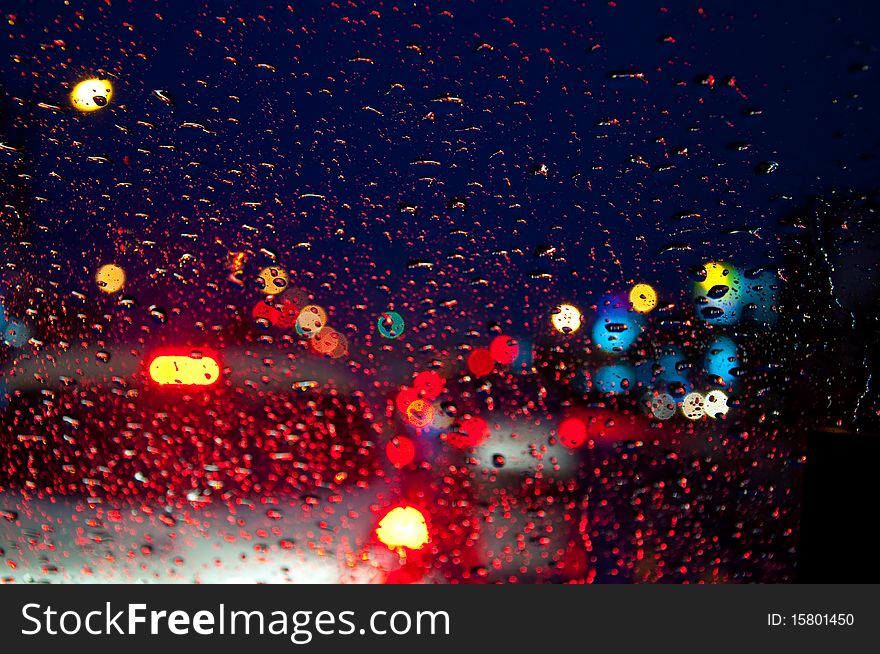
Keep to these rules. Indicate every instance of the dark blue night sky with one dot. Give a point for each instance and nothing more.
(271, 105)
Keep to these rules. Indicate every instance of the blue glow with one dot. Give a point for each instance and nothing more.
(616, 327)
(645, 372)
(721, 359)
(615, 332)
(615, 379)
(16, 334)
(390, 324)
(672, 368)
(725, 311)
(673, 374)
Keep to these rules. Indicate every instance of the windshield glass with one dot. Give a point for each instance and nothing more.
(492, 292)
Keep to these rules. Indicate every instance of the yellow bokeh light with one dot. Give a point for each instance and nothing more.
(566, 319)
(272, 280)
(718, 273)
(403, 526)
(643, 298)
(110, 278)
(692, 406)
(91, 94)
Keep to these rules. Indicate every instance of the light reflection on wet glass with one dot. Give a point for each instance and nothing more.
(348, 295)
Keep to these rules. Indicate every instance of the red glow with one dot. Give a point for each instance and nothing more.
(184, 370)
(504, 350)
(288, 312)
(470, 431)
(429, 384)
(282, 313)
(262, 311)
(400, 451)
(480, 362)
(573, 432)
(406, 397)
(613, 427)
(605, 426)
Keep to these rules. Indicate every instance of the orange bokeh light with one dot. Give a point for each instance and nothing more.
(419, 413)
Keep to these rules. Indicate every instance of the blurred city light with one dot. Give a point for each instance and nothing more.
(403, 526)
(184, 370)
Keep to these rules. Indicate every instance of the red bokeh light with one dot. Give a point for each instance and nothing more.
(480, 362)
(400, 451)
(430, 384)
(504, 350)
(572, 432)
(405, 397)
(470, 431)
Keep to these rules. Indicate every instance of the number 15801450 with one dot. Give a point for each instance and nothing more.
(810, 620)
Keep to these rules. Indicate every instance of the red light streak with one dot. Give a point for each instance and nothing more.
(184, 370)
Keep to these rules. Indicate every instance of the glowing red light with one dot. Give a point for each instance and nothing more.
(184, 370)
(504, 350)
(406, 397)
(572, 432)
(429, 384)
(470, 431)
(480, 362)
(264, 312)
(400, 451)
